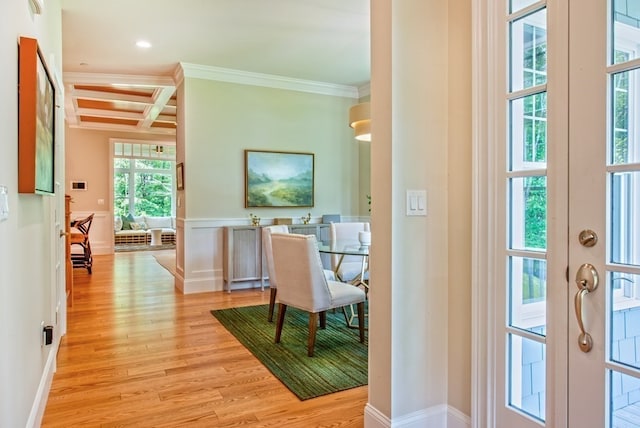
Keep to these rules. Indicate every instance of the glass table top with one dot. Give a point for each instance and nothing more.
(353, 248)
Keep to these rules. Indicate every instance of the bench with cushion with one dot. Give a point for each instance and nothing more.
(137, 229)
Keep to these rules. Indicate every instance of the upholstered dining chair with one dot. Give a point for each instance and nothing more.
(347, 268)
(303, 285)
(268, 255)
(80, 236)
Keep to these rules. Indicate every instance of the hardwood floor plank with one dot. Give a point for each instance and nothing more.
(139, 353)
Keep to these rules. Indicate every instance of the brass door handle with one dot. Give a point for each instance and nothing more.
(586, 281)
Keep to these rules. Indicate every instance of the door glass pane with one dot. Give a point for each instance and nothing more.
(625, 108)
(528, 213)
(626, 29)
(527, 386)
(527, 294)
(528, 137)
(624, 319)
(624, 214)
(624, 400)
(528, 51)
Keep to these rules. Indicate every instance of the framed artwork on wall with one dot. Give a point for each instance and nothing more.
(278, 179)
(180, 176)
(36, 121)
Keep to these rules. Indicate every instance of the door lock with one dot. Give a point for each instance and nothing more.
(588, 238)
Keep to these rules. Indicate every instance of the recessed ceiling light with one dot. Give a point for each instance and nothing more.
(143, 44)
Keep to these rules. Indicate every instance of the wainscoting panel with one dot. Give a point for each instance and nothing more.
(199, 252)
(101, 232)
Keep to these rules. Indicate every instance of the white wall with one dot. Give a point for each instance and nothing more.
(27, 242)
(420, 265)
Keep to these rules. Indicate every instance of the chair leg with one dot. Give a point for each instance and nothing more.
(361, 320)
(323, 320)
(272, 302)
(88, 259)
(281, 311)
(313, 325)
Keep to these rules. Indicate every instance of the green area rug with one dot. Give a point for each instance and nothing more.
(339, 361)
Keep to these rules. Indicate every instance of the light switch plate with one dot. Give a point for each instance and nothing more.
(416, 202)
(4, 203)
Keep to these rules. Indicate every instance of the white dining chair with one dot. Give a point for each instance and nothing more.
(267, 231)
(347, 268)
(303, 285)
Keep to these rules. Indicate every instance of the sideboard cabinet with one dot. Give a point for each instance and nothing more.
(242, 256)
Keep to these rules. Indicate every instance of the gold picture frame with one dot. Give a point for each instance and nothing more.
(180, 176)
(278, 179)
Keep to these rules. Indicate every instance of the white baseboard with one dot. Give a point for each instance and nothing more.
(441, 416)
(457, 419)
(374, 418)
(42, 394)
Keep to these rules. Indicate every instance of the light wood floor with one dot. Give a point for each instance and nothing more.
(139, 353)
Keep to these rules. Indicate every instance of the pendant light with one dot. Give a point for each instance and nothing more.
(360, 121)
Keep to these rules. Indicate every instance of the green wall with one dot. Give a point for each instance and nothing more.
(223, 119)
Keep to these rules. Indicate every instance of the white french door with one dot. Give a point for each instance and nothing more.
(567, 195)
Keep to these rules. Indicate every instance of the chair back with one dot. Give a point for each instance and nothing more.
(301, 280)
(84, 225)
(268, 252)
(346, 232)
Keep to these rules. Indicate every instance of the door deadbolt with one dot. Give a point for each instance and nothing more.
(588, 238)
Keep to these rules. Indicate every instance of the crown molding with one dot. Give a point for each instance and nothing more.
(264, 80)
(364, 90)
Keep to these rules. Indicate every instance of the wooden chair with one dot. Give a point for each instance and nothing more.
(302, 284)
(82, 260)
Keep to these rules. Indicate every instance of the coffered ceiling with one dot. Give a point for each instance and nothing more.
(110, 83)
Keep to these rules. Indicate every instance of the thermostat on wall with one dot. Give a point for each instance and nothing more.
(78, 185)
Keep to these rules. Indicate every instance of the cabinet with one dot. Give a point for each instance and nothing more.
(321, 231)
(242, 255)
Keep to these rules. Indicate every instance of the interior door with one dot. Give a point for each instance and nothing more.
(567, 256)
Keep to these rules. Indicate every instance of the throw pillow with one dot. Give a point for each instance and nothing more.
(117, 223)
(126, 222)
(137, 226)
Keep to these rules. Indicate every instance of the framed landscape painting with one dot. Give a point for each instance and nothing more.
(36, 106)
(278, 179)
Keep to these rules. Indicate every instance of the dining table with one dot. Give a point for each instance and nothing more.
(350, 248)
